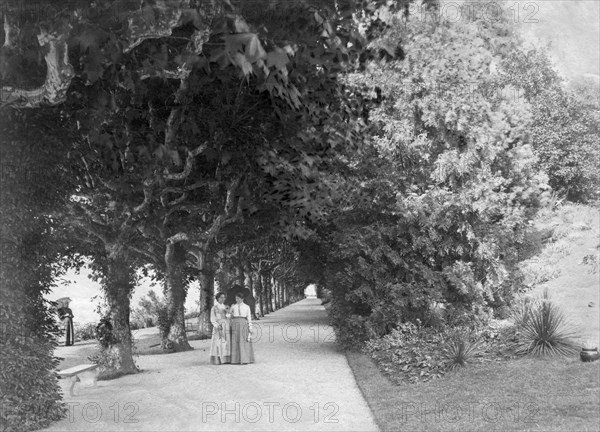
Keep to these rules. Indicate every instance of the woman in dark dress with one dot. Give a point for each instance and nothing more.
(242, 351)
(65, 314)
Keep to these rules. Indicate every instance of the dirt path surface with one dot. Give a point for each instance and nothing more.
(300, 382)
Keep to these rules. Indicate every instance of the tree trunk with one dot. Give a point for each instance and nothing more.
(207, 292)
(269, 292)
(274, 293)
(118, 286)
(239, 269)
(259, 293)
(280, 296)
(175, 292)
(248, 275)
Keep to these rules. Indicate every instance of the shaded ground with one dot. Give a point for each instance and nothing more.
(301, 381)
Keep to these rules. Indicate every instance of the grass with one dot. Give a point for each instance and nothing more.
(524, 394)
(554, 236)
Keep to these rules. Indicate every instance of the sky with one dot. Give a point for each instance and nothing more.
(570, 29)
(82, 291)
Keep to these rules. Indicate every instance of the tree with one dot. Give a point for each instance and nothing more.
(435, 203)
(149, 307)
(30, 262)
(100, 63)
(565, 124)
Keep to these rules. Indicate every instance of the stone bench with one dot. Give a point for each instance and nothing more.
(77, 373)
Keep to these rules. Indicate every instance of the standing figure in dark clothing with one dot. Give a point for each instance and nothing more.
(66, 316)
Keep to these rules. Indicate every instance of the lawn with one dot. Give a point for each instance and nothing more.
(524, 394)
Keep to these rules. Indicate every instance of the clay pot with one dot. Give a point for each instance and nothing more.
(589, 354)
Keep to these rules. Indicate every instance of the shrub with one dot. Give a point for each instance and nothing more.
(108, 360)
(87, 332)
(536, 273)
(410, 353)
(543, 329)
(461, 349)
(592, 260)
(104, 333)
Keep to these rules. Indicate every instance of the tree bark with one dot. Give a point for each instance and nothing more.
(59, 74)
(175, 292)
(241, 277)
(280, 294)
(276, 293)
(259, 293)
(285, 295)
(118, 286)
(207, 292)
(269, 293)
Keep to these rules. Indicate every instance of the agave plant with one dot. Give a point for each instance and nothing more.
(544, 330)
(461, 350)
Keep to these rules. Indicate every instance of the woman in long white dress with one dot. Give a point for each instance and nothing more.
(220, 348)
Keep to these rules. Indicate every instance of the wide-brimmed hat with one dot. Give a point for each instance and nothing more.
(64, 300)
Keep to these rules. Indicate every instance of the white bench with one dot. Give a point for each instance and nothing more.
(77, 373)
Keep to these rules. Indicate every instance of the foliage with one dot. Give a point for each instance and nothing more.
(148, 307)
(566, 122)
(461, 349)
(104, 333)
(164, 324)
(30, 247)
(411, 353)
(436, 203)
(108, 361)
(592, 260)
(87, 332)
(543, 329)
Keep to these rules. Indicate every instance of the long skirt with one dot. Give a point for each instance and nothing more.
(241, 349)
(69, 331)
(220, 347)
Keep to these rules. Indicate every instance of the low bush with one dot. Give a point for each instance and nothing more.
(461, 349)
(413, 353)
(409, 354)
(592, 260)
(543, 329)
(86, 332)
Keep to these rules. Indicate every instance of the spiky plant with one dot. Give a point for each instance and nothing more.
(461, 350)
(544, 330)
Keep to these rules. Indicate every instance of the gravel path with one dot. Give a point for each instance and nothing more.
(301, 381)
